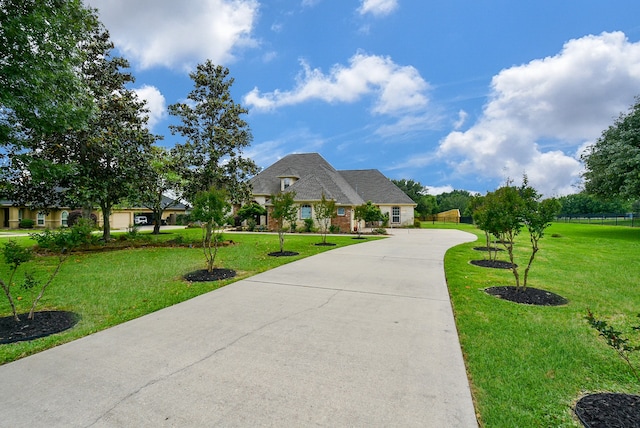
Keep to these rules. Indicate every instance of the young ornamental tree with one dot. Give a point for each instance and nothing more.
(211, 209)
(504, 212)
(368, 213)
(502, 217)
(324, 212)
(59, 242)
(536, 216)
(284, 211)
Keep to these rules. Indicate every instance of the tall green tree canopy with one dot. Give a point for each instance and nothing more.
(612, 164)
(162, 178)
(215, 135)
(412, 189)
(40, 90)
(456, 199)
(100, 164)
(585, 203)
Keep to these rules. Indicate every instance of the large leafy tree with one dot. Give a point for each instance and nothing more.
(411, 188)
(215, 135)
(103, 163)
(162, 179)
(584, 203)
(40, 90)
(426, 204)
(459, 199)
(612, 164)
(112, 156)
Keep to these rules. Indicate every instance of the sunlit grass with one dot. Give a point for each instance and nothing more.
(528, 364)
(108, 288)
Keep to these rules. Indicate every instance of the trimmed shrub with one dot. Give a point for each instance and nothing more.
(26, 223)
(74, 216)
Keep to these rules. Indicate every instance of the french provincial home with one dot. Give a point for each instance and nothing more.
(310, 176)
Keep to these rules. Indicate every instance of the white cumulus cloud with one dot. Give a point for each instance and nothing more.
(156, 104)
(175, 34)
(539, 114)
(397, 89)
(378, 7)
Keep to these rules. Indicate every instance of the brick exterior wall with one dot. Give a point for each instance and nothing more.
(344, 221)
(271, 222)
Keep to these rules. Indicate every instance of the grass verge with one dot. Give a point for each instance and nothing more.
(111, 287)
(528, 365)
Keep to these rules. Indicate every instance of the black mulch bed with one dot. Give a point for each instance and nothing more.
(283, 254)
(487, 249)
(496, 264)
(325, 244)
(527, 296)
(359, 237)
(43, 324)
(204, 275)
(604, 410)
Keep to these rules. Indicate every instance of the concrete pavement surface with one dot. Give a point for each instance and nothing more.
(360, 336)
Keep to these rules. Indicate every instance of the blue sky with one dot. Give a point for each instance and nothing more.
(455, 94)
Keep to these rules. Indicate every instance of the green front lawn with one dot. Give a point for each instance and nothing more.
(528, 365)
(108, 288)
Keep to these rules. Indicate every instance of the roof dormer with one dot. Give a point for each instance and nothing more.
(287, 179)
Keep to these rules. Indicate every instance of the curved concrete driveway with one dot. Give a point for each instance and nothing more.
(358, 336)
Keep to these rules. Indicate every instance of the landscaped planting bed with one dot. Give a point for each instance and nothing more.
(530, 364)
(105, 287)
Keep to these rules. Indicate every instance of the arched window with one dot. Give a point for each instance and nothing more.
(305, 211)
(65, 217)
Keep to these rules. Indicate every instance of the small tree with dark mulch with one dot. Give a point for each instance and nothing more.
(612, 409)
(504, 212)
(284, 211)
(58, 242)
(536, 216)
(211, 208)
(324, 212)
(617, 340)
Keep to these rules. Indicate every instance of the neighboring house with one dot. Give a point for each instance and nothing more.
(121, 218)
(310, 176)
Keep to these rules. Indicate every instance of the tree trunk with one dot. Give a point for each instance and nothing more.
(157, 220)
(106, 225)
(534, 250)
(5, 287)
(508, 243)
(281, 239)
(61, 260)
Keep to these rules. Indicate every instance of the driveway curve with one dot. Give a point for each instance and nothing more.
(358, 336)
